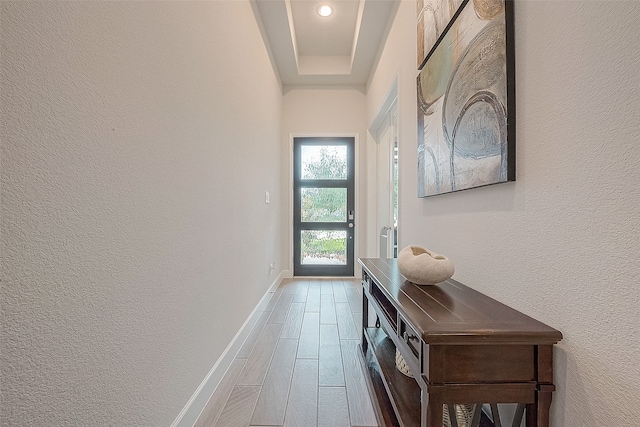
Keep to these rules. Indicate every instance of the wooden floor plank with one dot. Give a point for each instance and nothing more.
(339, 294)
(354, 296)
(309, 336)
(330, 357)
(313, 297)
(326, 287)
(360, 408)
(256, 367)
(293, 323)
(252, 338)
(274, 300)
(237, 411)
(289, 286)
(272, 402)
(327, 310)
(346, 324)
(280, 311)
(357, 319)
(332, 407)
(302, 407)
(302, 287)
(216, 403)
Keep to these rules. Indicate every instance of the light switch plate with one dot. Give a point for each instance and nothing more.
(266, 197)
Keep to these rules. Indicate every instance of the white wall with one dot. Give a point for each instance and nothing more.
(138, 139)
(333, 112)
(561, 243)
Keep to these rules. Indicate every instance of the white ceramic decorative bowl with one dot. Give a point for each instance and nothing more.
(424, 267)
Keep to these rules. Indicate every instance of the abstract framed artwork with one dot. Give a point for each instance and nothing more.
(466, 102)
(434, 18)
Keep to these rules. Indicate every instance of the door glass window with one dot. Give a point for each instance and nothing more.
(324, 247)
(324, 162)
(324, 204)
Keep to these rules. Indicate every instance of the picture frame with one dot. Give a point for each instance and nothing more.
(466, 102)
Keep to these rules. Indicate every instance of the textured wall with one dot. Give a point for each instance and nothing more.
(561, 243)
(138, 139)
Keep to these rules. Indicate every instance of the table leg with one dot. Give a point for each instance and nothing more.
(365, 322)
(538, 412)
(433, 409)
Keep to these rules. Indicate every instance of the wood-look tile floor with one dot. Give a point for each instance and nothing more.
(299, 366)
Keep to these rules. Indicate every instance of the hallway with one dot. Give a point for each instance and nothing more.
(140, 141)
(299, 365)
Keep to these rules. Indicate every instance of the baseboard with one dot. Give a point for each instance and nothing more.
(286, 274)
(194, 407)
(272, 288)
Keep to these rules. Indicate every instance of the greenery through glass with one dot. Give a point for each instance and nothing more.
(324, 162)
(323, 247)
(324, 205)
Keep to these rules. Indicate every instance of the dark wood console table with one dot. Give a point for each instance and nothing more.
(461, 347)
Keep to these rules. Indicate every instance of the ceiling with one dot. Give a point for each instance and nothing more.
(339, 50)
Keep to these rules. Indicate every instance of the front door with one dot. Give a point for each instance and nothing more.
(323, 200)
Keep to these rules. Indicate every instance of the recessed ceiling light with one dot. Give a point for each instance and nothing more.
(325, 10)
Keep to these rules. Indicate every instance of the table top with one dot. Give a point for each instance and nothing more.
(452, 313)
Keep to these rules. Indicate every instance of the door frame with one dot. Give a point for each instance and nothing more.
(390, 103)
(386, 138)
(358, 215)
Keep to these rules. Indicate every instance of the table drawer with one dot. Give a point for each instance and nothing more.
(410, 337)
(473, 364)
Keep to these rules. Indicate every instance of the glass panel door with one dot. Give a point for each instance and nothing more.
(323, 206)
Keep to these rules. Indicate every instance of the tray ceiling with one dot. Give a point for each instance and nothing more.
(308, 49)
